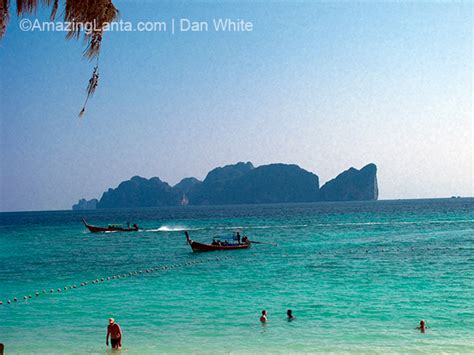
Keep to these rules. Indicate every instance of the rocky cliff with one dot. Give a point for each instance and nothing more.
(352, 185)
(140, 192)
(242, 183)
(83, 204)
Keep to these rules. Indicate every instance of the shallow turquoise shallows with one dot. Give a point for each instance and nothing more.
(358, 276)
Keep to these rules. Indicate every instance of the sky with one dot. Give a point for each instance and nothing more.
(325, 85)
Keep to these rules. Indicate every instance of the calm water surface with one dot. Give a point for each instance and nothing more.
(358, 277)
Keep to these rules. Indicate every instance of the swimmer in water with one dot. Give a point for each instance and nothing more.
(263, 317)
(115, 335)
(422, 327)
(290, 316)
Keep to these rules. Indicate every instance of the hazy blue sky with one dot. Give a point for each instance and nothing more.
(323, 85)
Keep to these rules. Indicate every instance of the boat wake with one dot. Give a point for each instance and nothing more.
(181, 228)
(393, 223)
(167, 228)
(171, 229)
(277, 226)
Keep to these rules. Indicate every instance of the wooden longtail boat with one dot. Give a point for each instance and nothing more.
(200, 247)
(110, 228)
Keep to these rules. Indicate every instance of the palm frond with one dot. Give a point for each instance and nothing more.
(96, 12)
(26, 7)
(4, 16)
(93, 82)
(80, 13)
(54, 10)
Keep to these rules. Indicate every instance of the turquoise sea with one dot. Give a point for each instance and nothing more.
(358, 276)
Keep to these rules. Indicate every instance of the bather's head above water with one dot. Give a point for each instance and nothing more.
(422, 326)
(289, 313)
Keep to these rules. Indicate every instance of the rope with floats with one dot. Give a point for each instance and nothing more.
(163, 268)
(129, 274)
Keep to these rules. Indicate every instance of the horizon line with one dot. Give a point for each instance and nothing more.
(252, 204)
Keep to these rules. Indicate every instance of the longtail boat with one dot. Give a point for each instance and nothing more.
(216, 245)
(110, 228)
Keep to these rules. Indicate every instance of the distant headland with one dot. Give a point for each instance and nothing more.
(241, 183)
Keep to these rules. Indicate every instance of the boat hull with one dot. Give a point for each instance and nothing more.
(95, 229)
(201, 247)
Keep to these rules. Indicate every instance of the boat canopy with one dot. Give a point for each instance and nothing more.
(231, 237)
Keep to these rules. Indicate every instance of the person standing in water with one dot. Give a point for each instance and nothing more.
(422, 327)
(290, 316)
(263, 317)
(115, 333)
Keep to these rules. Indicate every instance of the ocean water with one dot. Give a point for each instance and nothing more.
(358, 276)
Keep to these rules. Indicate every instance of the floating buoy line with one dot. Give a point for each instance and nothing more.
(129, 274)
(163, 268)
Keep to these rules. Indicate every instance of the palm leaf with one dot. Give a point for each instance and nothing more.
(96, 13)
(4, 16)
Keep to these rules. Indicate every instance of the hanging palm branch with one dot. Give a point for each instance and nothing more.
(78, 12)
(4, 16)
(93, 82)
(54, 10)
